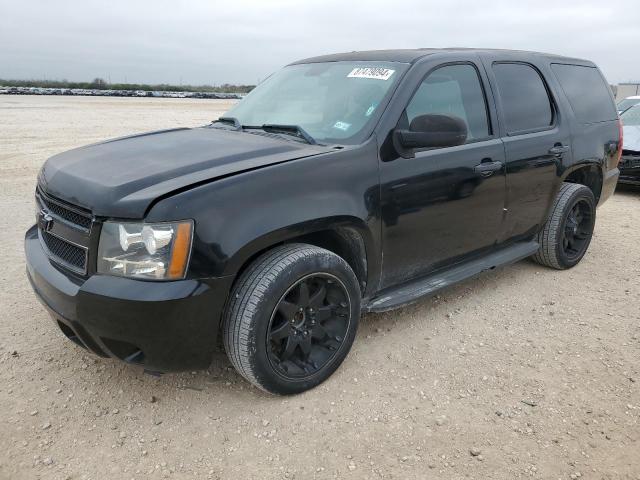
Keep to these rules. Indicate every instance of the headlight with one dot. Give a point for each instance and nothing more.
(156, 251)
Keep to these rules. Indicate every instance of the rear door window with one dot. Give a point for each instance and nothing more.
(525, 102)
(586, 91)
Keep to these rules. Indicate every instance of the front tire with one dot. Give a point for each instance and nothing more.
(292, 318)
(567, 233)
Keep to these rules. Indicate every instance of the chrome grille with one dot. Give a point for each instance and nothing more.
(64, 232)
(73, 215)
(70, 255)
(630, 161)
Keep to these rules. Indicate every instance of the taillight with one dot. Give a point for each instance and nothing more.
(620, 139)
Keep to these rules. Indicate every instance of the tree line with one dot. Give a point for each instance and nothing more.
(101, 84)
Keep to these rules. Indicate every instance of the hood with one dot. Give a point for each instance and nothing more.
(122, 177)
(631, 140)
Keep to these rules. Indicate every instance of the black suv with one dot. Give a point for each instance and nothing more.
(343, 184)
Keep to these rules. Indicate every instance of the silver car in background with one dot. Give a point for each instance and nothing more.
(630, 160)
(627, 103)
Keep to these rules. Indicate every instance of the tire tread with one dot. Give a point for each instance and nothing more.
(245, 298)
(549, 237)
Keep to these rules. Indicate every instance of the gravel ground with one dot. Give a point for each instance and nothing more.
(524, 372)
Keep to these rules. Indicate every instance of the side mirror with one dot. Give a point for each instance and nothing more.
(431, 131)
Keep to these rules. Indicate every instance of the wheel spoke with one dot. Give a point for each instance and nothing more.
(318, 332)
(280, 332)
(292, 343)
(303, 294)
(317, 299)
(325, 313)
(305, 346)
(287, 309)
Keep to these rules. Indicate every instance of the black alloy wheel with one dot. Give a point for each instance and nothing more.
(566, 235)
(577, 230)
(308, 325)
(292, 317)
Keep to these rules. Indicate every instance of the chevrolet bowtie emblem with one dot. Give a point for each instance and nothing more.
(45, 220)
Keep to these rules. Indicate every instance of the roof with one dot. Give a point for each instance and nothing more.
(405, 56)
(412, 55)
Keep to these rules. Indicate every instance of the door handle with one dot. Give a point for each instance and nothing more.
(558, 149)
(486, 168)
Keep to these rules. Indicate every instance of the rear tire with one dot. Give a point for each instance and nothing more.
(566, 235)
(292, 318)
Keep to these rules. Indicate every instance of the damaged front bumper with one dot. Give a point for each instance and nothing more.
(629, 168)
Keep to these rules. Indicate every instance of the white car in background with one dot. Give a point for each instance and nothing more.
(627, 103)
(630, 160)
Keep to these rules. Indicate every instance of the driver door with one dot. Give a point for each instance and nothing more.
(446, 204)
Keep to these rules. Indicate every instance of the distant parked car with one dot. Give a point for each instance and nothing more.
(627, 103)
(630, 160)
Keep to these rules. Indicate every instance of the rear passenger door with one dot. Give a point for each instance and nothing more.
(537, 139)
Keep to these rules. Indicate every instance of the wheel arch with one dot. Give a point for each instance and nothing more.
(588, 174)
(347, 237)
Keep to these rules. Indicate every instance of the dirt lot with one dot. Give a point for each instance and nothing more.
(524, 372)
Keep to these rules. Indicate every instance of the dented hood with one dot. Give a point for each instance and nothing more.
(122, 177)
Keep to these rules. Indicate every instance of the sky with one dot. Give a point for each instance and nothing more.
(242, 41)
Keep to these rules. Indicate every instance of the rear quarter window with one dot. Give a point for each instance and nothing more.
(525, 102)
(587, 92)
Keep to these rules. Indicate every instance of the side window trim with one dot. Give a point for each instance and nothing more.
(481, 82)
(550, 96)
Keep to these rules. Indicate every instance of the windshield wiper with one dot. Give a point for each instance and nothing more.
(230, 120)
(295, 130)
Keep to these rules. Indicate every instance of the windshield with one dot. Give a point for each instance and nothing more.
(631, 116)
(626, 103)
(334, 102)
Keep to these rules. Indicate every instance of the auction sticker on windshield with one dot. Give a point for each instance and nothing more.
(371, 72)
(344, 126)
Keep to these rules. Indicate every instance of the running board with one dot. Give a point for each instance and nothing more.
(409, 293)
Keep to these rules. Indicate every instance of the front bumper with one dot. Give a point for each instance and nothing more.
(630, 169)
(630, 176)
(163, 326)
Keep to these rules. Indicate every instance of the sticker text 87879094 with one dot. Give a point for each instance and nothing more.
(375, 73)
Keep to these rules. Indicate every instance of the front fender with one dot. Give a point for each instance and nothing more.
(237, 216)
(361, 238)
